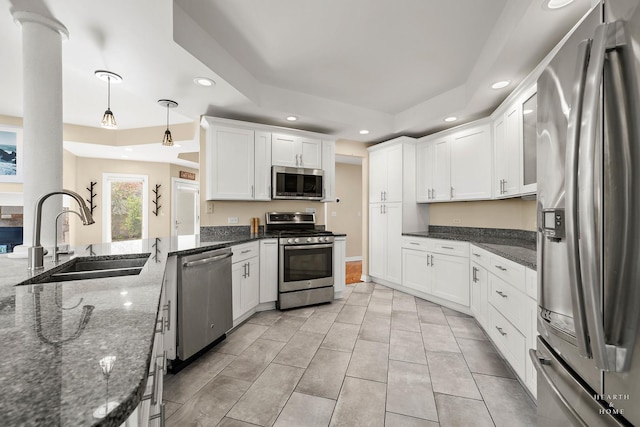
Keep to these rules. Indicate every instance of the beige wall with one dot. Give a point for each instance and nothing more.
(348, 212)
(510, 213)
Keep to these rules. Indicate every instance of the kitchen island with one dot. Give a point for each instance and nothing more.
(54, 335)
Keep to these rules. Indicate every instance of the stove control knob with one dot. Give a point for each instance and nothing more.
(320, 239)
(296, 240)
(309, 239)
(290, 241)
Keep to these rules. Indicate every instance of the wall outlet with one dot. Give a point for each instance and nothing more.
(334, 213)
(232, 220)
(457, 221)
(311, 210)
(209, 207)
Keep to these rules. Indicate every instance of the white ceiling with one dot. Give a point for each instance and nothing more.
(339, 65)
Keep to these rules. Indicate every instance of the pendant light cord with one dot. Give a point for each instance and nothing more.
(108, 92)
(167, 116)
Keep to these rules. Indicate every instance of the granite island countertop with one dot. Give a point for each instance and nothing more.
(515, 245)
(53, 335)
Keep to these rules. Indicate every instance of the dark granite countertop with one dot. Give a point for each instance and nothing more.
(53, 335)
(515, 245)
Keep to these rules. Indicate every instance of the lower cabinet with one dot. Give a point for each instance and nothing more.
(339, 268)
(245, 280)
(479, 291)
(268, 270)
(436, 269)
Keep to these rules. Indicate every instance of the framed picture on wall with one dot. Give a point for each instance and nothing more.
(10, 154)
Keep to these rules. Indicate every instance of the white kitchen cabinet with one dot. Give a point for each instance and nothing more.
(424, 171)
(528, 153)
(450, 278)
(339, 265)
(245, 281)
(385, 166)
(441, 164)
(296, 151)
(479, 293)
(532, 333)
(416, 271)
(329, 168)
(230, 163)
(262, 165)
(268, 270)
(471, 163)
(385, 241)
(507, 141)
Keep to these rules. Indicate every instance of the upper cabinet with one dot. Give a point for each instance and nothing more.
(239, 156)
(529, 149)
(455, 165)
(296, 151)
(385, 182)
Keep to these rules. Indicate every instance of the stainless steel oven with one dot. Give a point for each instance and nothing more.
(305, 259)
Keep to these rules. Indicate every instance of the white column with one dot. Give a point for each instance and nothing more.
(42, 147)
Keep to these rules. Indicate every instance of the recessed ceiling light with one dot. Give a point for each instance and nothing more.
(204, 81)
(501, 84)
(557, 4)
(128, 304)
(527, 112)
(292, 118)
(451, 119)
(364, 132)
(124, 293)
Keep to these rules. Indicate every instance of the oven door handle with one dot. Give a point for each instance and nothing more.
(320, 246)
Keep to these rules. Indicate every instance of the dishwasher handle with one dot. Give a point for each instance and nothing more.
(206, 260)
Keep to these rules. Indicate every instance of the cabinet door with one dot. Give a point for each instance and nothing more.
(339, 264)
(310, 153)
(393, 190)
(238, 270)
(471, 164)
(528, 160)
(251, 285)
(377, 175)
(512, 142)
(442, 170)
(284, 150)
(415, 271)
(393, 214)
(230, 164)
(329, 167)
(377, 240)
(424, 173)
(262, 190)
(268, 270)
(479, 288)
(500, 157)
(451, 278)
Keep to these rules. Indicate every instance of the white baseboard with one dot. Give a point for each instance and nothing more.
(365, 278)
(353, 258)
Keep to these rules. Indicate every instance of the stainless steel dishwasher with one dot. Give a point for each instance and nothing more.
(204, 300)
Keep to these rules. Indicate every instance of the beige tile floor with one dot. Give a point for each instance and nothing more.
(376, 357)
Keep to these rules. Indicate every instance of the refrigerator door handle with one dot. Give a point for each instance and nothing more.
(567, 407)
(589, 252)
(571, 191)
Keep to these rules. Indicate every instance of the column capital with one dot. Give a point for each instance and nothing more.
(22, 16)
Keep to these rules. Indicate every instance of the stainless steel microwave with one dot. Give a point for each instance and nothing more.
(297, 183)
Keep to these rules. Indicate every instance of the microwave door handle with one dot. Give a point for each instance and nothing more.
(571, 191)
(590, 255)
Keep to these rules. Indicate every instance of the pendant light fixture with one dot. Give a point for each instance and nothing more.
(108, 119)
(168, 139)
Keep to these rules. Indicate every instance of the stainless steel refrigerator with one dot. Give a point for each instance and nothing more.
(588, 148)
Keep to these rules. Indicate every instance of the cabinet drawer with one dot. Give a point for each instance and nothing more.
(480, 256)
(450, 247)
(509, 340)
(416, 243)
(245, 251)
(531, 280)
(509, 271)
(508, 301)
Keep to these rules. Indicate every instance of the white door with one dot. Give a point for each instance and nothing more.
(394, 174)
(415, 271)
(377, 175)
(284, 150)
(393, 214)
(479, 285)
(310, 153)
(451, 278)
(471, 164)
(424, 172)
(513, 135)
(442, 170)
(185, 207)
(230, 164)
(262, 166)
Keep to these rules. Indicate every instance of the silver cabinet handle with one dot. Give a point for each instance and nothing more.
(297, 161)
(448, 247)
(167, 319)
(381, 196)
(451, 192)
(244, 271)
(206, 260)
(428, 261)
(475, 254)
(248, 269)
(246, 251)
(502, 332)
(301, 162)
(432, 261)
(499, 267)
(503, 295)
(474, 276)
(380, 209)
(433, 193)
(253, 192)
(384, 195)
(414, 243)
(428, 194)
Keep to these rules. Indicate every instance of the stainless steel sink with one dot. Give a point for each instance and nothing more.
(97, 267)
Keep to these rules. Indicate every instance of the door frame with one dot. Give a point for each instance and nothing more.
(175, 182)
